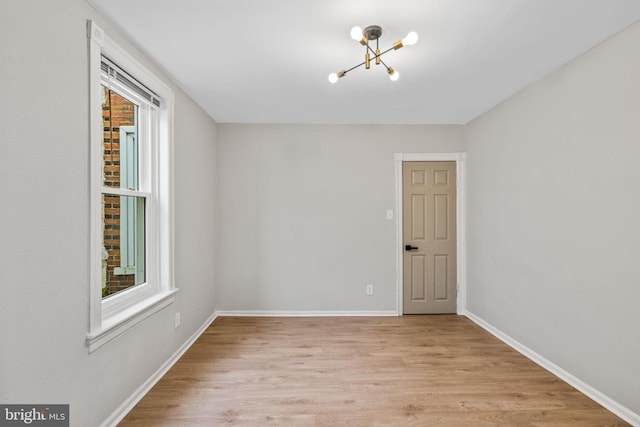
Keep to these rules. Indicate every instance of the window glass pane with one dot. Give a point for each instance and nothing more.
(120, 141)
(123, 236)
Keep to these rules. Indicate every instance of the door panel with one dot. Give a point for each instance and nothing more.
(429, 227)
(418, 269)
(418, 220)
(440, 277)
(440, 216)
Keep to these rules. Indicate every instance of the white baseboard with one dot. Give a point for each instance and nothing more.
(613, 406)
(119, 414)
(286, 313)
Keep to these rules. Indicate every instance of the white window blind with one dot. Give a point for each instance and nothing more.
(113, 72)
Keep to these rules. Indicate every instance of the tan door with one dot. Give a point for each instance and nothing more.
(429, 233)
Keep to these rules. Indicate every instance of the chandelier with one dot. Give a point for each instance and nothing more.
(366, 37)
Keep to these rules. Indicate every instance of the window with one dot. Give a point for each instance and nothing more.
(131, 182)
(124, 191)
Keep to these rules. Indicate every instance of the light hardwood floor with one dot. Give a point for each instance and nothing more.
(360, 371)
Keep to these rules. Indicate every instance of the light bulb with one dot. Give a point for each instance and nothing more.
(356, 33)
(333, 77)
(393, 74)
(410, 39)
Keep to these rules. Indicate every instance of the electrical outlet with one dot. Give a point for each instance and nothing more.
(369, 288)
(177, 320)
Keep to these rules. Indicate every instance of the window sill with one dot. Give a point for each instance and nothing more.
(124, 320)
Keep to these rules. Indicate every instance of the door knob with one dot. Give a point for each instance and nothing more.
(410, 248)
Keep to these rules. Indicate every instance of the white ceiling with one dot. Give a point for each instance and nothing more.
(267, 61)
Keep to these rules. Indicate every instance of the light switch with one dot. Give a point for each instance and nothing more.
(389, 213)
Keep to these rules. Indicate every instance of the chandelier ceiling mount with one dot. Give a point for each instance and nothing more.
(372, 32)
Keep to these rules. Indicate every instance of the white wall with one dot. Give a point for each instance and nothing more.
(44, 193)
(302, 214)
(553, 217)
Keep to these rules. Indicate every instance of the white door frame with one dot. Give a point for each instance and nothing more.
(461, 269)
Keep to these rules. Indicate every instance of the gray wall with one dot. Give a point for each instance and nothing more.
(44, 183)
(553, 217)
(302, 213)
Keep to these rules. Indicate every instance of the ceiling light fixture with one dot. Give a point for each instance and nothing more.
(364, 37)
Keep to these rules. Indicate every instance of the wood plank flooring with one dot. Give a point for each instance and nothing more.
(360, 371)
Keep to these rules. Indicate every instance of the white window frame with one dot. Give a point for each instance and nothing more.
(114, 315)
